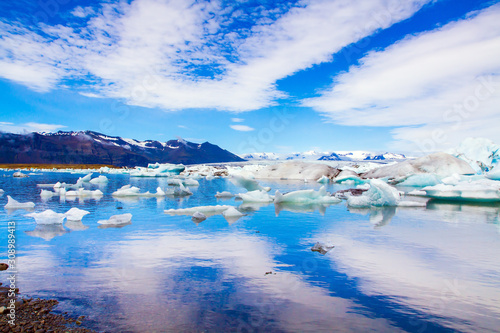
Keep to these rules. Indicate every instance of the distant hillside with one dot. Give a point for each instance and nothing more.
(326, 156)
(89, 147)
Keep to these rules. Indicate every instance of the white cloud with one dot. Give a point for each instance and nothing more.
(150, 52)
(182, 126)
(437, 87)
(242, 128)
(29, 127)
(237, 120)
(82, 11)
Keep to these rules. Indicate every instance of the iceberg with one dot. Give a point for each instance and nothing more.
(84, 193)
(421, 180)
(321, 248)
(86, 179)
(75, 214)
(380, 194)
(323, 180)
(248, 184)
(256, 196)
(48, 217)
(185, 182)
(206, 210)
(158, 170)
(99, 180)
(348, 177)
(232, 212)
(121, 219)
(224, 195)
(47, 194)
(297, 170)
(440, 164)
(484, 190)
(306, 196)
(19, 174)
(127, 191)
(481, 154)
(13, 204)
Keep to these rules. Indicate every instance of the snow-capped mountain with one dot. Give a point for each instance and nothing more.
(326, 156)
(88, 147)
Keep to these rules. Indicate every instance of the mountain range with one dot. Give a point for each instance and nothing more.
(326, 156)
(88, 147)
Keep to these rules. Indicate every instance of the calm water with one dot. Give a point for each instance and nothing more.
(434, 269)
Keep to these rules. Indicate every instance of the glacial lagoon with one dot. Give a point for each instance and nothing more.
(420, 269)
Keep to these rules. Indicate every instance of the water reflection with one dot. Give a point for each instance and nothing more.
(379, 216)
(47, 231)
(300, 208)
(76, 225)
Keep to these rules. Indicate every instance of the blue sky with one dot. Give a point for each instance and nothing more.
(252, 76)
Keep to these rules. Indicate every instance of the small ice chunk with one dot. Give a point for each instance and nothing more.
(117, 219)
(207, 210)
(99, 180)
(321, 248)
(13, 204)
(75, 214)
(47, 194)
(379, 194)
(422, 179)
(198, 217)
(323, 180)
(127, 191)
(224, 194)
(248, 184)
(256, 196)
(483, 190)
(48, 217)
(306, 196)
(232, 212)
(86, 178)
(19, 174)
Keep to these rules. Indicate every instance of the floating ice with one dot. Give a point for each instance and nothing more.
(185, 182)
(224, 194)
(127, 191)
(256, 196)
(86, 178)
(297, 170)
(19, 174)
(47, 194)
(232, 212)
(13, 204)
(306, 196)
(207, 210)
(198, 217)
(179, 191)
(158, 170)
(121, 219)
(48, 217)
(75, 214)
(99, 180)
(348, 177)
(321, 248)
(441, 164)
(323, 180)
(84, 193)
(421, 180)
(417, 193)
(379, 194)
(482, 154)
(484, 190)
(494, 174)
(248, 184)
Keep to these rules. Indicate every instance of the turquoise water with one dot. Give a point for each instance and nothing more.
(433, 269)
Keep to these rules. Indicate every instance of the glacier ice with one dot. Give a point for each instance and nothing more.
(225, 194)
(182, 181)
(297, 170)
(100, 180)
(379, 194)
(84, 193)
(121, 219)
(232, 212)
(323, 180)
(158, 170)
(198, 217)
(86, 178)
(421, 180)
(13, 204)
(482, 154)
(483, 190)
(306, 196)
(248, 184)
(207, 210)
(48, 217)
(75, 214)
(441, 164)
(256, 196)
(19, 174)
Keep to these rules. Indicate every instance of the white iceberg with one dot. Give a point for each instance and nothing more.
(180, 181)
(179, 191)
(232, 212)
(248, 184)
(441, 164)
(121, 219)
(75, 214)
(47, 194)
(348, 177)
(296, 170)
(380, 194)
(421, 180)
(13, 204)
(100, 180)
(19, 174)
(158, 170)
(48, 217)
(224, 194)
(127, 191)
(86, 178)
(482, 154)
(84, 193)
(256, 196)
(206, 210)
(484, 190)
(306, 197)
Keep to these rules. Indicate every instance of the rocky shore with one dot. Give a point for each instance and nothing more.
(35, 315)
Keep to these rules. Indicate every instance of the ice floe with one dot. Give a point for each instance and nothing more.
(224, 195)
(379, 194)
(255, 196)
(13, 204)
(179, 191)
(47, 217)
(19, 174)
(483, 190)
(323, 180)
(322, 248)
(232, 212)
(297, 170)
(198, 217)
(99, 180)
(84, 193)
(421, 180)
(482, 154)
(206, 210)
(75, 214)
(117, 220)
(158, 170)
(441, 164)
(306, 196)
(248, 184)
